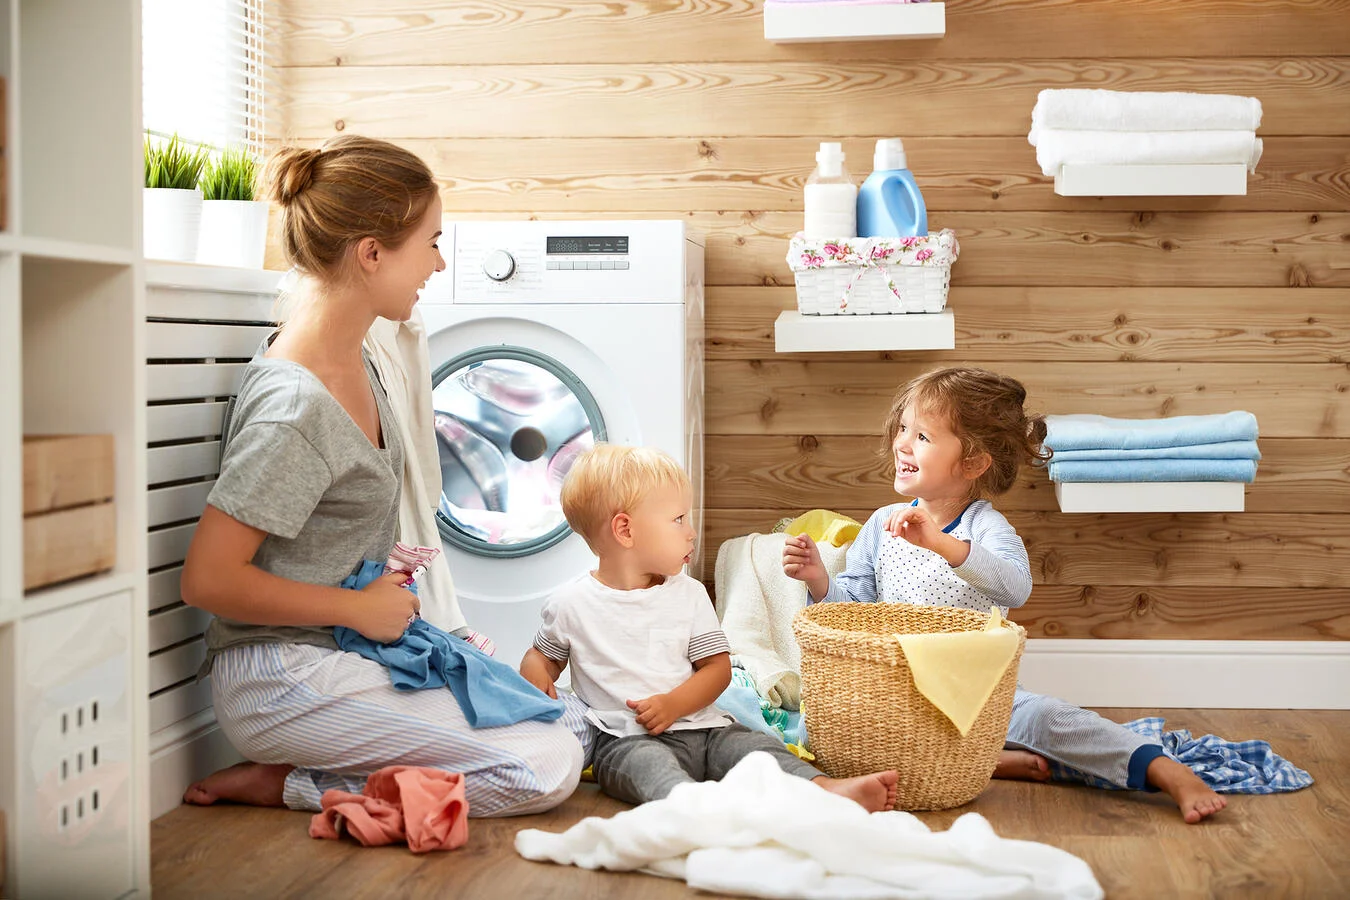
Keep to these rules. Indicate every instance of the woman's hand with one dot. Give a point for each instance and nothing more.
(385, 608)
(801, 560)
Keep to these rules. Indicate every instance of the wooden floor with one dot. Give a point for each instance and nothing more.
(1284, 845)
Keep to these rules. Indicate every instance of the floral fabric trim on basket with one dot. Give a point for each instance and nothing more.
(864, 254)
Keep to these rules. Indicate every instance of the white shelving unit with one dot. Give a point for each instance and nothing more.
(1153, 497)
(73, 708)
(796, 333)
(825, 21)
(1151, 181)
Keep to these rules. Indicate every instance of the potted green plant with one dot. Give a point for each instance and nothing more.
(234, 221)
(172, 200)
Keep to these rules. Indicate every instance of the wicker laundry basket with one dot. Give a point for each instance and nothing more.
(863, 713)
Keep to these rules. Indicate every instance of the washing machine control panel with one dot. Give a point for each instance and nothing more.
(561, 262)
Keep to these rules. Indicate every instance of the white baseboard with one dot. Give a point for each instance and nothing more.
(1191, 674)
(182, 753)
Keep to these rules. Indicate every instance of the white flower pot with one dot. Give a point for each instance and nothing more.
(233, 233)
(172, 219)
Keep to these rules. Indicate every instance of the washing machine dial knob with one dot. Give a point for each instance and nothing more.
(499, 265)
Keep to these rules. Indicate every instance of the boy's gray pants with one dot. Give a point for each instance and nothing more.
(642, 767)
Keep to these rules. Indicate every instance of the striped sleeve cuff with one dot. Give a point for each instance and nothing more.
(705, 645)
(550, 648)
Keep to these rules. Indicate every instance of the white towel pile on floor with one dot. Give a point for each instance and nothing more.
(756, 603)
(762, 833)
(1098, 127)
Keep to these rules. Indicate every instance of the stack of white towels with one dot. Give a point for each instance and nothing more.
(1090, 448)
(1106, 128)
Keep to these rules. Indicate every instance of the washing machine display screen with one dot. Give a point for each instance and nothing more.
(571, 245)
(509, 423)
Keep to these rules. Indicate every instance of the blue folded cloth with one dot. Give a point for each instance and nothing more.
(1118, 470)
(746, 706)
(1220, 450)
(490, 692)
(1229, 767)
(1089, 432)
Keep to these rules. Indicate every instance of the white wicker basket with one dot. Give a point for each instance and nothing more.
(873, 276)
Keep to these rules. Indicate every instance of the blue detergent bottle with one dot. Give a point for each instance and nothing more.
(889, 202)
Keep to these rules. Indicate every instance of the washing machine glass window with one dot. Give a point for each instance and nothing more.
(509, 423)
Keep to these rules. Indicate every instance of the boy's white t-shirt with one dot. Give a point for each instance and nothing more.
(629, 645)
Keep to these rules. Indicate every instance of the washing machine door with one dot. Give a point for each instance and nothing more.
(516, 400)
(510, 421)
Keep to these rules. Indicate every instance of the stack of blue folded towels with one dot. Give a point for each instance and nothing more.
(1180, 448)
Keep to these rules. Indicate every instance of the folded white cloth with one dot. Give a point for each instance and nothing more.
(1055, 148)
(755, 602)
(399, 350)
(760, 832)
(1101, 110)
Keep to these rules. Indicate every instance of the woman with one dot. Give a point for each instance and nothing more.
(308, 488)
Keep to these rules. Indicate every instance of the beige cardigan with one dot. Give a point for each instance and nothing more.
(399, 350)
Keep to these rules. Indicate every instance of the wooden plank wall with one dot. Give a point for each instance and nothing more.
(1125, 306)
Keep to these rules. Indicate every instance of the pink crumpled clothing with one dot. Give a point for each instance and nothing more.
(422, 805)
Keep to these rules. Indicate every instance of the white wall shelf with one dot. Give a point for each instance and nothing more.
(1150, 497)
(796, 333)
(1151, 181)
(802, 22)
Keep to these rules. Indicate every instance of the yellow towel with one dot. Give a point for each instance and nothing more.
(957, 672)
(824, 527)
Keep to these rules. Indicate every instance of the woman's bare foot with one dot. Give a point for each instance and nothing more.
(252, 783)
(874, 793)
(1194, 798)
(1022, 765)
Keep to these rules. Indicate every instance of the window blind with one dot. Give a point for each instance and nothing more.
(203, 71)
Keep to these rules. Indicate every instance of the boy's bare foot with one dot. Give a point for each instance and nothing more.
(1022, 765)
(252, 783)
(874, 793)
(1194, 798)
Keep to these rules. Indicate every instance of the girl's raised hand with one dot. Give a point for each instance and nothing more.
(916, 526)
(801, 559)
(385, 608)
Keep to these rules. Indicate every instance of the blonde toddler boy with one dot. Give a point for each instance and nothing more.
(646, 651)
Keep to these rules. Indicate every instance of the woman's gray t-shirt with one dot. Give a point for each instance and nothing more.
(298, 467)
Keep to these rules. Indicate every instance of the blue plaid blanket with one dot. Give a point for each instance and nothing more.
(1229, 767)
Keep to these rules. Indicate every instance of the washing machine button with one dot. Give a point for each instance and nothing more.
(499, 265)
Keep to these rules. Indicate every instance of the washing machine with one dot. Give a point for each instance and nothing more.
(546, 337)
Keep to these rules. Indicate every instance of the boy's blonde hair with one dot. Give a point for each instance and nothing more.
(611, 478)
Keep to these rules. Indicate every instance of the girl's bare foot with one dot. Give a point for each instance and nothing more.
(252, 783)
(1194, 798)
(1022, 765)
(874, 793)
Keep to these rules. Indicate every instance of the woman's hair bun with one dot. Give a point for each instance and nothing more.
(290, 171)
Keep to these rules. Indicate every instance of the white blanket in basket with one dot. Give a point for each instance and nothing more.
(756, 602)
(760, 832)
